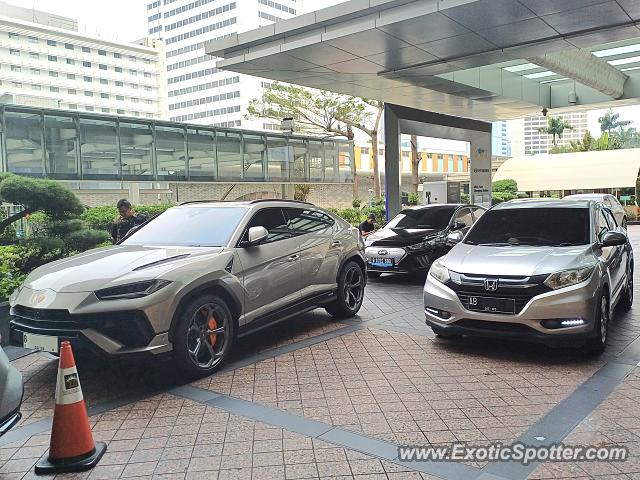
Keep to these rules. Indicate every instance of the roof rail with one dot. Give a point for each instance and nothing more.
(261, 200)
(203, 201)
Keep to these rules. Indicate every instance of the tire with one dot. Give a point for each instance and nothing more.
(195, 352)
(626, 300)
(350, 295)
(374, 274)
(603, 314)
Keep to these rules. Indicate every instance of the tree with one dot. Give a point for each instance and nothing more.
(415, 163)
(556, 127)
(34, 195)
(322, 112)
(611, 122)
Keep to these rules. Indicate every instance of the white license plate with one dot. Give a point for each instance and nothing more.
(43, 343)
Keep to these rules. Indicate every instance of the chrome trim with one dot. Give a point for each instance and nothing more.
(478, 281)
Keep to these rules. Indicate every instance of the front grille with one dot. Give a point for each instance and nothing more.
(130, 328)
(521, 296)
(494, 326)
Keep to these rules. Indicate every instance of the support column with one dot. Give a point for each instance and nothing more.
(392, 190)
(480, 169)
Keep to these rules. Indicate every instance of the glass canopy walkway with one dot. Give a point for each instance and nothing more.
(69, 145)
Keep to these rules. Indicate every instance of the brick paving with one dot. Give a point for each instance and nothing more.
(382, 375)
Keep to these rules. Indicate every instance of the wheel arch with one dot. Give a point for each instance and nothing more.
(215, 287)
(353, 257)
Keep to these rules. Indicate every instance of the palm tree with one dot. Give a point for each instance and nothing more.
(556, 127)
(610, 121)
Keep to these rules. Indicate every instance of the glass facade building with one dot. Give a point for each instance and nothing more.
(66, 145)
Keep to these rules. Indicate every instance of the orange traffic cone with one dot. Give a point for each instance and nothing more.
(72, 448)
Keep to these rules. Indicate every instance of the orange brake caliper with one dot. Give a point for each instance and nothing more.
(212, 324)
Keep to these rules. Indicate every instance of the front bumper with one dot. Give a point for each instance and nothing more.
(575, 302)
(403, 260)
(109, 328)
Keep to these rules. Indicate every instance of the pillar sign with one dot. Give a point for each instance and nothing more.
(480, 168)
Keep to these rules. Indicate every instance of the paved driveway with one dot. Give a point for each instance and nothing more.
(314, 398)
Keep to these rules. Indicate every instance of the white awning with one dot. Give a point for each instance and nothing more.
(573, 171)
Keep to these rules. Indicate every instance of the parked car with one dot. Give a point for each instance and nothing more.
(545, 271)
(11, 391)
(192, 280)
(417, 236)
(610, 201)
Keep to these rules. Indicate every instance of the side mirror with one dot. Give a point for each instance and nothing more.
(256, 235)
(455, 237)
(458, 225)
(613, 239)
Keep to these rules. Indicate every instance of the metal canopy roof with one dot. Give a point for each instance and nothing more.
(469, 58)
(572, 171)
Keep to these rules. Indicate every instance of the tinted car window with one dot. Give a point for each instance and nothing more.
(610, 219)
(437, 217)
(273, 220)
(478, 212)
(189, 226)
(532, 226)
(303, 221)
(464, 216)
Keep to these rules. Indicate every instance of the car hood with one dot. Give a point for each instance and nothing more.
(517, 260)
(399, 237)
(99, 268)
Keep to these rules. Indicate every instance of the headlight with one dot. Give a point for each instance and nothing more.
(419, 246)
(568, 277)
(439, 272)
(131, 290)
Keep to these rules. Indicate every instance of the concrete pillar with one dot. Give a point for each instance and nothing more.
(134, 193)
(480, 169)
(392, 188)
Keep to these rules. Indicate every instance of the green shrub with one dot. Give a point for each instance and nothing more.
(10, 274)
(413, 199)
(505, 186)
(499, 197)
(356, 203)
(351, 215)
(465, 198)
(101, 218)
(380, 213)
(85, 239)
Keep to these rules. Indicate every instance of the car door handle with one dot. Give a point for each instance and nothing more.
(336, 243)
(293, 258)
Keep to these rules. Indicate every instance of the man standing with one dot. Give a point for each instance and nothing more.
(367, 227)
(126, 221)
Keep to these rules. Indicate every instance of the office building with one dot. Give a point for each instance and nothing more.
(197, 91)
(501, 146)
(46, 62)
(536, 142)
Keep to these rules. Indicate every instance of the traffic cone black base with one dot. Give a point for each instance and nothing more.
(48, 466)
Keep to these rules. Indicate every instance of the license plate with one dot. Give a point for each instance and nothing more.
(381, 262)
(43, 343)
(492, 305)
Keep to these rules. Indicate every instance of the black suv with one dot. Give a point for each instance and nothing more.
(417, 236)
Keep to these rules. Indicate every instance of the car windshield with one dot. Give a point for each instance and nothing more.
(437, 217)
(531, 226)
(195, 226)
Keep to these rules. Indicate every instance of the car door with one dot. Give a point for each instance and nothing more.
(271, 270)
(321, 248)
(610, 255)
(617, 209)
(620, 259)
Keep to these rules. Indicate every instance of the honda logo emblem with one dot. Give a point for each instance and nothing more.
(382, 252)
(491, 285)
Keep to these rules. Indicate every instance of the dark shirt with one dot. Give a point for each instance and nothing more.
(366, 227)
(121, 226)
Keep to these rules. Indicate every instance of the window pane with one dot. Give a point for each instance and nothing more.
(98, 149)
(278, 154)
(254, 157)
(24, 143)
(303, 221)
(61, 140)
(344, 160)
(202, 154)
(316, 155)
(298, 149)
(273, 220)
(136, 143)
(170, 152)
(330, 156)
(229, 155)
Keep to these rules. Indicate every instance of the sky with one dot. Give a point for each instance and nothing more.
(122, 20)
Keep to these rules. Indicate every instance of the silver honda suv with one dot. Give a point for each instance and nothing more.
(193, 279)
(539, 270)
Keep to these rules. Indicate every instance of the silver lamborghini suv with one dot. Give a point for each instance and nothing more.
(192, 280)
